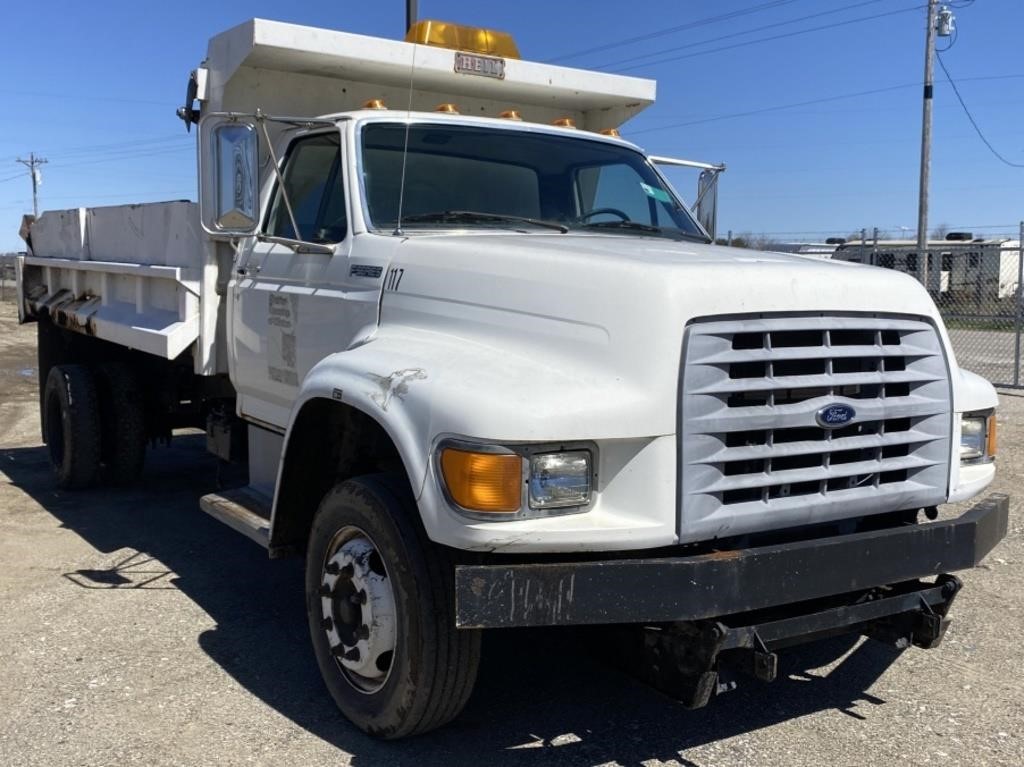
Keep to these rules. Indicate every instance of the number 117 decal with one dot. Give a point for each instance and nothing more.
(393, 278)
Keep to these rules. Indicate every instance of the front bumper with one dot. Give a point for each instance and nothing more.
(724, 583)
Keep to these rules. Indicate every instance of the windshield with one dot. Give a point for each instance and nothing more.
(477, 176)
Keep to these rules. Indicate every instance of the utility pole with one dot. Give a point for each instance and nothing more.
(33, 163)
(410, 13)
(940, 22)
(926, 146)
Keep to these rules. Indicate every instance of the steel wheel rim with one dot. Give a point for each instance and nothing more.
(358, 613)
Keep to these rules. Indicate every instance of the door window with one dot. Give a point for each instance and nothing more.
(313, 180)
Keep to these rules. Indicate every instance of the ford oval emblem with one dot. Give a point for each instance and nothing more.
(835, 415)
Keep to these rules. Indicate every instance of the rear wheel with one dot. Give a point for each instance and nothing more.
(72, 425)
(122, 423)
(381, 614)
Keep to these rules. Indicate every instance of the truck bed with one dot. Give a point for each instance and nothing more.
(129, 274)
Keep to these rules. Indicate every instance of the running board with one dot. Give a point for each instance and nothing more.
(244, 510)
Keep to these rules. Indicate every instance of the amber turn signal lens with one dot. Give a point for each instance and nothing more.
(990, 443)
(487, 482)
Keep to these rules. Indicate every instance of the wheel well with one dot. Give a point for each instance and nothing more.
(328, 443)
(174, 396)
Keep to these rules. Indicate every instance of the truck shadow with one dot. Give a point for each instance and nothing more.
(542, 698)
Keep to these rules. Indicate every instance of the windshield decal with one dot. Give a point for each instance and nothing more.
(658, 194)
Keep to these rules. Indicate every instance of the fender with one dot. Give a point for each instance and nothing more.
(418, 385)
(971, 393)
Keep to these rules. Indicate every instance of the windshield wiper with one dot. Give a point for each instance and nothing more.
(469, 216)
(636, 226)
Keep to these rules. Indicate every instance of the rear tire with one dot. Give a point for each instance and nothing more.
(377, 589)
(122, 423)
(72, 423)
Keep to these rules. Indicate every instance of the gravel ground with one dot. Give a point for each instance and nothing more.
(136, 630)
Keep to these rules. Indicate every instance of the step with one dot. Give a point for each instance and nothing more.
(243, 509)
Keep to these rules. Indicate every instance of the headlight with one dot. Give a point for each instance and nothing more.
(559, 480)
(514, 481)
(977, 437)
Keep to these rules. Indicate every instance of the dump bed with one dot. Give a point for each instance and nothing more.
(129, 274)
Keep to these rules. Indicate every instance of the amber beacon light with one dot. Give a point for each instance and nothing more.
(457, 37)
(483, 482)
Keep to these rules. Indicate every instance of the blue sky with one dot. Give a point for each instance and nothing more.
(93, 88)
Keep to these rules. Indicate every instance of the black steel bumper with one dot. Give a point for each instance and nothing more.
(724, 583)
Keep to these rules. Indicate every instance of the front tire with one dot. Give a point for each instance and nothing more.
(379, 597)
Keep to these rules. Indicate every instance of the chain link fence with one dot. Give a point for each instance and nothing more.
(7, 278)
(977, 285)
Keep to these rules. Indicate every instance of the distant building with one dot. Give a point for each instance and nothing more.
(966, 267)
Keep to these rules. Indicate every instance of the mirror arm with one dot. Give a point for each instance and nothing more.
(280, 177)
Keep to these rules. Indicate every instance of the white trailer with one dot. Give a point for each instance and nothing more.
(980, 270)
(486, 369)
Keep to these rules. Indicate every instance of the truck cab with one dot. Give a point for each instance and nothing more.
(487, 368)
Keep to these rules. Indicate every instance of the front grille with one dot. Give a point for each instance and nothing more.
(752, 453)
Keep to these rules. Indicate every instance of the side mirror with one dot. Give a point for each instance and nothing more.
(706, 207)
(229, 194)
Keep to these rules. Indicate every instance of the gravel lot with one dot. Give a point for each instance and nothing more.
(136, 630)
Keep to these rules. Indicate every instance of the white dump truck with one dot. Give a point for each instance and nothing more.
(487, 369)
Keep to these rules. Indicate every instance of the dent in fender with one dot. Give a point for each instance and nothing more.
(394, 385)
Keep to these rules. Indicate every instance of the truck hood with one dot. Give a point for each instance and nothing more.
(604, 316)
(594, 278)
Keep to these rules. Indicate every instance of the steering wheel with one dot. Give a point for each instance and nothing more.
(599, 211)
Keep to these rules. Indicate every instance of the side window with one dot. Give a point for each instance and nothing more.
(618, 187)
(313, 180)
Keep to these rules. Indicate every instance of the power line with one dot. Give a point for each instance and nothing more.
(776, 108)
(737, 34)
(126, 156)
(970, 117)
(672, 30)
(73, 95)
(120, 145)
(823, 100)
(771, 38)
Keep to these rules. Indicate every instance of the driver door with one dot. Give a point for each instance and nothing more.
(290, 305)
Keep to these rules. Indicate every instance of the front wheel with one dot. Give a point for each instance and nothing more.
(379, 597)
